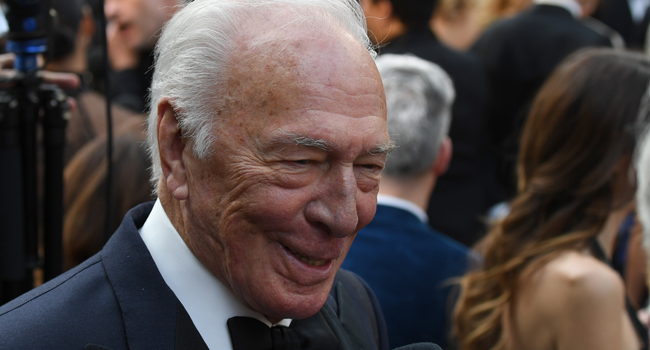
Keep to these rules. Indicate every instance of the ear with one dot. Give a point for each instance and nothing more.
(171, 145)
(444, 157)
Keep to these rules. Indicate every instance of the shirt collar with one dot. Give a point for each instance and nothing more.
(403, 204)
(638, 9)
(207, 300)
(570, 5)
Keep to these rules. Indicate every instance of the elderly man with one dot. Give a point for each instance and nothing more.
(405, 261)
(268, 134)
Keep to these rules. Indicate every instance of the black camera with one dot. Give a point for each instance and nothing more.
(28, 21)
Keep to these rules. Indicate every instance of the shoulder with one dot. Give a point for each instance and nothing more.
(83, 305)
(567, 298)
(357, 289)
(579, 272)
(575, 302)
(579, 284)
(349, 291)
(497, 31)
(428, 47)
(455, 62)
(68, 311)
(44, 293)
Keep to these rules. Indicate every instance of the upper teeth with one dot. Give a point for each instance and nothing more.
(308, 260)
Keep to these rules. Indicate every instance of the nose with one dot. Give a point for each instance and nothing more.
(336, 204)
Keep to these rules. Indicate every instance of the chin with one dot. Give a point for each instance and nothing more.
(296, 307)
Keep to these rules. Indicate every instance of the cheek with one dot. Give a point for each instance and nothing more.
(269, 206)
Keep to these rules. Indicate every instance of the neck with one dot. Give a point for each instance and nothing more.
(173, 210)
(416, 190)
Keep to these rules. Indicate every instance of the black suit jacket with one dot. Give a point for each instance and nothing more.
(617, 15)
(118, 300)
(409, 266)
(463, 194)
(518, 55)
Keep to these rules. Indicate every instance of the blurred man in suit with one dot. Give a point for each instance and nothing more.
(630, 18)
(267, 135)
(71, 40)
(132, 32)
(518, 54)
(405, 262)
(468, 189)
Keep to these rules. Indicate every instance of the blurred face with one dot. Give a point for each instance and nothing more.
(375, 13)
(137, 21)
(294, 174)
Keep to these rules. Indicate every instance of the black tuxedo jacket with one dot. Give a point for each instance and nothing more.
(518, 55)
(467, 190)
(118, 300)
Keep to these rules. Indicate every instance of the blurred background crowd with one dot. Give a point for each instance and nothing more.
(506, 217)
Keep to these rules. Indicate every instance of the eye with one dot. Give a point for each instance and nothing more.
(371, 166)
(301, 161)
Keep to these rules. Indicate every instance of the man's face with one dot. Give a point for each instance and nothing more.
(138, 21)
(294, 174)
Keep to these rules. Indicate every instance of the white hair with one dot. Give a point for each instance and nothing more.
(419, 95)
(194, 51)
(643, 188)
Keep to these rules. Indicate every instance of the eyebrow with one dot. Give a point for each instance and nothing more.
(303, 140)
(307, 141)
(385, 148)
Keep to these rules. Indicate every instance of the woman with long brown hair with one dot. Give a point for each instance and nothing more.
(545, 282)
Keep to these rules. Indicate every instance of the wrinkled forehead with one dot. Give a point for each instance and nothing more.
(298, 65)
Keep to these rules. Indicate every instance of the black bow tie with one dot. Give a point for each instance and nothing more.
(312, 333)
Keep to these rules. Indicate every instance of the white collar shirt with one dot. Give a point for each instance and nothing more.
(638, 9)
(570, 5)
(403, 204)
(206, 299)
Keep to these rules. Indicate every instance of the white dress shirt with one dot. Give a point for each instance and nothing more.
(638, 9)
(570, 5)
(207, 300)
(403, 204)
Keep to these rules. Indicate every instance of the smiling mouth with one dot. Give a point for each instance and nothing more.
(308, 260)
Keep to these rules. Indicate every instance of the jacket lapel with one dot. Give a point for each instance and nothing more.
(149, 307)
(187, 336)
